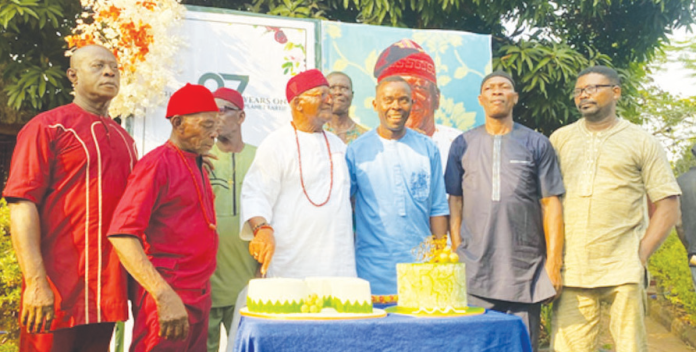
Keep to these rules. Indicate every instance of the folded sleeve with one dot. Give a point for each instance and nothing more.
(454, 170)
(30, 169)
(656, 172)
(548, 171)
(140, 200)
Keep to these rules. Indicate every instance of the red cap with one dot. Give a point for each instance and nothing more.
(191, 99)
(303, 82)
(405, 57)
(230, 95)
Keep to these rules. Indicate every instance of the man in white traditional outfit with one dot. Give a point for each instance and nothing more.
(296, 195)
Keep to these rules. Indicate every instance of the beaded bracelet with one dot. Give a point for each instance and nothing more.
(260, 226)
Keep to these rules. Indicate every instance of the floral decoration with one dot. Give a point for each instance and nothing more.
(139, 33)
(295, 52)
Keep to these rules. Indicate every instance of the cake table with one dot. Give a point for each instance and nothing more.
(491, 331)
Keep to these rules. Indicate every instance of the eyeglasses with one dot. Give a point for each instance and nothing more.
(340, 88)
(226, 109)
(592, 89)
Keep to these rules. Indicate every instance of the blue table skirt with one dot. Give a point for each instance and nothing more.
(492, 331)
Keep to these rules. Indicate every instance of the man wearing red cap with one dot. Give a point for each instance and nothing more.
(69, 169)
(295, 198)
(235, 266)
(408, 60)
(164, 230)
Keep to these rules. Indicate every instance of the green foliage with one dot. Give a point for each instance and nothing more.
(32, 51)
(10, 283)
(670, 269)
(687, 160)
(9, 347)
(550, 43)
(543, 72)
(298, 8)
(685, 53)
(545, 332)
(672, 120)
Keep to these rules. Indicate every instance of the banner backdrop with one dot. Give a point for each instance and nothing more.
(256, 55)
(462, 60)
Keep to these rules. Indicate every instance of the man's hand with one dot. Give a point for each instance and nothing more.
(456, 241)
(37, 298)
(262, 248)
(173, 318)
(37, 307)
(455, 220)
(207, 162)
(554, 273)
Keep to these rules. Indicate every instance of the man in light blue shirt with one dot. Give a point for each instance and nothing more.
(398, 185)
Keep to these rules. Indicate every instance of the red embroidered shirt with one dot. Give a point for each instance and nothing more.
(74, 165)
(162, 208)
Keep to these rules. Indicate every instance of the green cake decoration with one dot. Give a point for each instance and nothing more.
(274, 307)
(291, 296)
(348, 307)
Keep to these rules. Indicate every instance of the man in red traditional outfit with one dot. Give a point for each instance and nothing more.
(68, 171)
(164, 230)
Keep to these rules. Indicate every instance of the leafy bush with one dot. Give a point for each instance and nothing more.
(10, 284)
(545, 332)
(669, 267)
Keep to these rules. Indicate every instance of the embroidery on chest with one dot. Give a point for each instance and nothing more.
(420, 184)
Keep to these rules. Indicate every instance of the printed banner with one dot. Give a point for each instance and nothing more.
(255, 55)
(462, 60)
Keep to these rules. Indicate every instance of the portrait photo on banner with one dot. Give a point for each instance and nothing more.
(461, 61)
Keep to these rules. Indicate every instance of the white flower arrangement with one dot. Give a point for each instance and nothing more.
(140, 34)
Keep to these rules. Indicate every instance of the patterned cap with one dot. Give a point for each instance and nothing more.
(405, 57)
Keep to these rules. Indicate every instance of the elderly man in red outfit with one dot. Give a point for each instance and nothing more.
(164, 230)
(68, 171)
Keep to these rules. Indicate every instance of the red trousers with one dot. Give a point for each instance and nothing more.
(81, 338)
(146, 322)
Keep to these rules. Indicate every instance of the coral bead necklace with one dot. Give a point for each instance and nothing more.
(211, 225)
(299, 157)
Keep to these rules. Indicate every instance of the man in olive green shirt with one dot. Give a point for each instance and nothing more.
(341, 88)
(235, 267)
(611, 169)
